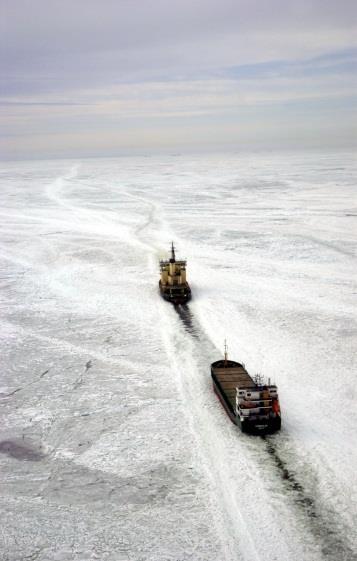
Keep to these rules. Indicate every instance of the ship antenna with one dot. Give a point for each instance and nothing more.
(172, 253)
(225, 352)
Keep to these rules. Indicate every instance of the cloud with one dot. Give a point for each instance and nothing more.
(81, 69)
(48, 45)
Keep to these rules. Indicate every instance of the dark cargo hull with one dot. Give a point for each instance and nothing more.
(176, 294)
(223, 399)
(225, 394)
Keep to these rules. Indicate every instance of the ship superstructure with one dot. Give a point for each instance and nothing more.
(173, 284)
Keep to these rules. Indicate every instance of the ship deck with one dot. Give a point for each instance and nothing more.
(230, 378)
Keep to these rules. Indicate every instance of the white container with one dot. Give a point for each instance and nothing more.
(253, 396)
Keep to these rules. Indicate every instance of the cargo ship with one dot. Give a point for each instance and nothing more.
(250, 404)
(173, 284)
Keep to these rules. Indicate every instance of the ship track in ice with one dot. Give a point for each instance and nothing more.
(317, 519)
(322, 525)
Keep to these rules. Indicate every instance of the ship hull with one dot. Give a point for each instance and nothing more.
(177, 294)
(226, 406)
(269, 427)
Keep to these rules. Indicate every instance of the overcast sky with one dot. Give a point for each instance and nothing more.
(95, 78)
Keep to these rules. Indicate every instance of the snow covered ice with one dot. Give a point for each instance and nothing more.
(113, 445)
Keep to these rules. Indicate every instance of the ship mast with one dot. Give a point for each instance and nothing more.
(173, 258)
(225, 352)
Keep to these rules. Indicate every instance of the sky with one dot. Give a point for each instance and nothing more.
(86, 78)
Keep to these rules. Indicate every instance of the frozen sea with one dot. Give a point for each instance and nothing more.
(113, 446)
